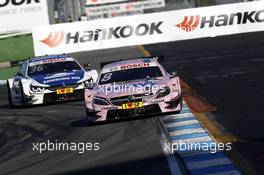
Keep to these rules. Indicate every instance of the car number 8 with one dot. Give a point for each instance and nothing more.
(106, 77)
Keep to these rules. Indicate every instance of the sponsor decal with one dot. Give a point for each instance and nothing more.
(132, 105)
(55, 60)
(128, 66)
(59, 75)
(54, 39)
(232, 19)
(131, 66)
(60, 79)
(118, 32)
(190, 23)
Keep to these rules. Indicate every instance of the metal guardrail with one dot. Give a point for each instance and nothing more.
(14, 35)
(3, 82)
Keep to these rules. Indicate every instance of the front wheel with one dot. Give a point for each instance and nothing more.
(10, 100)
(177, 103)
(89, 114)
(23, 99)
(181, 105)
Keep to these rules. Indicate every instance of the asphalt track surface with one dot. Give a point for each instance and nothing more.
(131, 147)
(228, 71)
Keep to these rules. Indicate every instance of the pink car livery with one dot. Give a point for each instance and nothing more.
(133, 88)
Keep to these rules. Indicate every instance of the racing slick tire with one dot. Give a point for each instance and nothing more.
(87, 114)
(23, 99)
(10, 101)
(181, 105)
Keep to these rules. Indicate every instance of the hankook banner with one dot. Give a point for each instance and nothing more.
(22, 15)
(150, 28)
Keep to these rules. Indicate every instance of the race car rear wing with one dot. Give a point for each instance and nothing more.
(159, 58)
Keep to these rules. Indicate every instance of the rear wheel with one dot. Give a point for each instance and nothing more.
(10, 100)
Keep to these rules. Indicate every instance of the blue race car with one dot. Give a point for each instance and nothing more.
(49, 79)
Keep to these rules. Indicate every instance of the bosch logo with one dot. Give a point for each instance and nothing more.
(130, 66)
(4, 3)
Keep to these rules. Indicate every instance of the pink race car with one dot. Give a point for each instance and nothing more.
(133, 88)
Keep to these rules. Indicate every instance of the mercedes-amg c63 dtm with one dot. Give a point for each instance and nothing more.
(133, 87)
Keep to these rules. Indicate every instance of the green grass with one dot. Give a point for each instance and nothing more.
(7, 72)
(16, 48)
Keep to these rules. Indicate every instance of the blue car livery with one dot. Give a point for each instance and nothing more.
(49, 79)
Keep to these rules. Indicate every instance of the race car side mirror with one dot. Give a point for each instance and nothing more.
(174, 74)
(90, 86)
(18, 74)
(87, 66)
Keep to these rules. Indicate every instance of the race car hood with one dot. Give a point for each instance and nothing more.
(118, 89)
(58, 79)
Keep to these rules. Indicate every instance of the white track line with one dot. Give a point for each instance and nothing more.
(193, 140)
(172, 162)
(184, 115)
(208, 163)
(2, 82)
(186, 131)
(183, 123)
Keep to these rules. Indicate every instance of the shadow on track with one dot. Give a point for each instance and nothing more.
(85, 123)
(131, 167)
(5, 107)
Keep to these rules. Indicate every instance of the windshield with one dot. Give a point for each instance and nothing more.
(53, 68)
(130, 74)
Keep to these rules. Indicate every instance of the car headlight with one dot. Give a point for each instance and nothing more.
(36, 88)
(163, 92)
(87, 83)
(100, 101)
